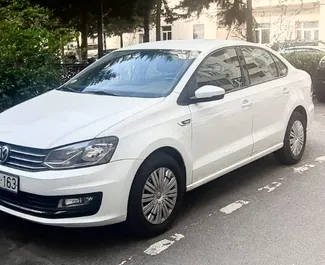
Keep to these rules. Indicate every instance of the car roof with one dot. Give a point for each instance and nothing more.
(190, 45)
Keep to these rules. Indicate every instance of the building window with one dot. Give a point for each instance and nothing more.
(198, 31)
(262, 33)
(307, 30)
(167, 32)
(141, 35)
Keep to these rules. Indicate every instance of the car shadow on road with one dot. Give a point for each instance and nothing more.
(68, 240)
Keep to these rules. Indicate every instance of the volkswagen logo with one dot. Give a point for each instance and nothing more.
(4, 153)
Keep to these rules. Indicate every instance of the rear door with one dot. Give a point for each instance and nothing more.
(271, 94)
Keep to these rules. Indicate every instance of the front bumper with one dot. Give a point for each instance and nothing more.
(110, 182)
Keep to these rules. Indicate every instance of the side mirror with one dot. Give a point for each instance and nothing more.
(208, 93)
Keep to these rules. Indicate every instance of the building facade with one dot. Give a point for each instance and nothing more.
(275, 21)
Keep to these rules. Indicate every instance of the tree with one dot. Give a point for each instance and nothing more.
(117, 26)
(249, 21)
(84, 16)
(31, 38)
(144, 10)
(151, 11)
(158, 20)
(232, 12)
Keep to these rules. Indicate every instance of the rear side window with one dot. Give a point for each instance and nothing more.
(283, 70)
(260, 65)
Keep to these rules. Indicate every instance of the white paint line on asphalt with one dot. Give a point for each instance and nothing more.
(320, 159)
(177, 237)
(233, 206)
(302, 169)
(270, 187)
(125, 261)
(162, 245)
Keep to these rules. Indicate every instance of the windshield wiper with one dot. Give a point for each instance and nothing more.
(100, 92)
(66, 88)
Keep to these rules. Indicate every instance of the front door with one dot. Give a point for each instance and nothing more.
(222, 129)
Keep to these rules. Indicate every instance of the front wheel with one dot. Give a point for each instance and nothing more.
(156, 195)
(294, 140)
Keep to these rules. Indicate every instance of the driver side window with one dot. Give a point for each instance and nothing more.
(221, 69)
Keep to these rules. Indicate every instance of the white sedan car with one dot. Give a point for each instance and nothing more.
(125, 138)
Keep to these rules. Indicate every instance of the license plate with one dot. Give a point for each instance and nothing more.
(9, 183)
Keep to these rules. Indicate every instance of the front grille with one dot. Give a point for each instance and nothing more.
(25, 158)
(47, 206)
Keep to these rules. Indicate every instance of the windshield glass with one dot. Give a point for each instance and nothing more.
(134, 73)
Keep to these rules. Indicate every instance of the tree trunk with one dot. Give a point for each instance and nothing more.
(121, 40)
(146, 25)
(158, 21)
(105, 44)
(78, 48)
(62, 48)
(84, 37)
(100, 29)
(249, 25)
(229, 31)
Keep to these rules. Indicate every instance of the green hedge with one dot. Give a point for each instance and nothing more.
(30, 41)
(305, 61)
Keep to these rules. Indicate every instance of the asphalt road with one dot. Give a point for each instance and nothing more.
(263, 213)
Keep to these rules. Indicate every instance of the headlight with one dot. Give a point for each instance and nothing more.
(322, 62)
(95, 152)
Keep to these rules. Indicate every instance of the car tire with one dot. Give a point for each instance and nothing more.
(294, 141)
(139, 219)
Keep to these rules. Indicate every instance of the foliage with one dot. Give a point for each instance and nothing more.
(29, 50)
(307, 61)
(118, 26)
(232, 12)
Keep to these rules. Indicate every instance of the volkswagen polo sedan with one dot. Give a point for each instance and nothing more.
(124, 139)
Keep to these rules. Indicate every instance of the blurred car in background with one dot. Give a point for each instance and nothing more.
(319, 86)
(300, 49)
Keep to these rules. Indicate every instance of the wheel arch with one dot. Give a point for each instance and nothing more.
(176, 150)
(302, 111)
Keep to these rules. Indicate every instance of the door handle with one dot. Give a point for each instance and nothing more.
(246, 104)
(285, 90)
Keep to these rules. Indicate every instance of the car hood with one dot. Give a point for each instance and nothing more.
(57, 118)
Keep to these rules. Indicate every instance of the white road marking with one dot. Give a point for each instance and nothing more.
(302, 169)
(270, 187)
(162, 245)
(320, 159)
(233, 206)
(177, 237)
(125, 261)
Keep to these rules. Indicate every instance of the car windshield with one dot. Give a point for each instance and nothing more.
(134, 73)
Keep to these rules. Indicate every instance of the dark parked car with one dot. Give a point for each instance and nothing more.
(320, 81)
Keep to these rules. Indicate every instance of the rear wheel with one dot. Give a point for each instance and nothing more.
(294, 140)
(156, 195)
